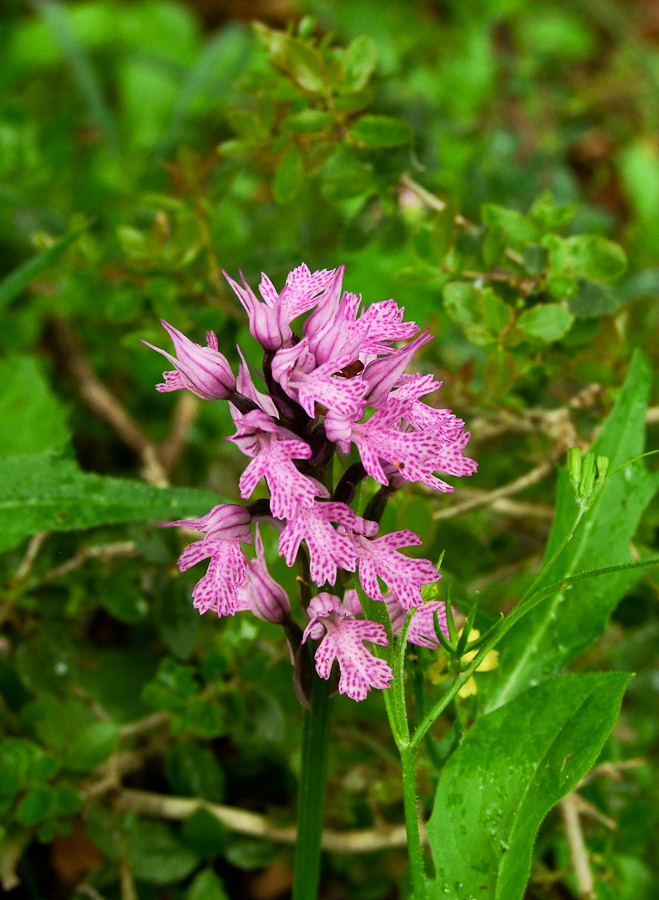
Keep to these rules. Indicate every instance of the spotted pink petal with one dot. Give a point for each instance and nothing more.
(403, 575)
(328, 550)
(218, 589)
(360, 670)
(289, 488)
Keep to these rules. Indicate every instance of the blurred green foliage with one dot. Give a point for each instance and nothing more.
(484, 163)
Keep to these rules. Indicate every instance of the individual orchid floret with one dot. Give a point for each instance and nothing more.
(422, 626)
(218, 589)
(382, 374)
(303, 290)
(403, 575)
(260, 593)
(274, 449)
(202, 370)
(343, 640)
(358, 337)
(423, 417)
(226, 522)
(265, 320)
(415, 454)
(270, 319)
(328, 550)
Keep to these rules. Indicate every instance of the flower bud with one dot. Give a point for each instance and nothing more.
(261, 593)
(202, 370)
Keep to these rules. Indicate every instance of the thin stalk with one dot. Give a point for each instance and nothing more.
(414, 848)
(311, 799)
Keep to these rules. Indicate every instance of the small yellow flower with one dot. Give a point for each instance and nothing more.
(436, 672)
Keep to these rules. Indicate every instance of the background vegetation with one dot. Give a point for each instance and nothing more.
(476, 161)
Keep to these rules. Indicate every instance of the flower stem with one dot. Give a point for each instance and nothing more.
(311, 799)
(414, 848)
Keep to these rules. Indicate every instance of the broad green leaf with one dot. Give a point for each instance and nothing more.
(33, 419)
(92, 746)
(205, 834)
(380, 132)
(17, 281)
(193, 771)
(592, 256)
(549, 322)
(536, 258)
(344, 177)
(461, 302)
(435, 236)
(308, 121)
(561, 627)
(592, 299)
(496, 789)
(248, 853)
(206, 886)
(156, 855)
(36, 805)
(358, 64)
(639, 164)
(496, 314)
(46, 493)
(288, 177)
(515, 224)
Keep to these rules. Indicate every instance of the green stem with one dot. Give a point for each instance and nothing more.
(414, 848)
(311, 799)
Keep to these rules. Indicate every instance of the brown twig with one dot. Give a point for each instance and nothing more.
(183, 417)
(144, 726)
(611, 770)
(176, 809)
(569, 807)
(104, 403)
(118, 550)
(489, 497)
(33, 548)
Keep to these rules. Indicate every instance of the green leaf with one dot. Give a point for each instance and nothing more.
(358, 64)
(43, 492)
(592, 256)
(68, 800)
(381, 132)
(92, 746)
(17, 281)
(36, 805)
(514, 224)
(193, 771)
(496, 789)
(206, 886)
(592, 299)
(345, 177)
(536, 258)
(561, 627)
(288, 177)
(639, 164)
(33, 418)
(205, 834)
(248, 854)
(461, 302)
(435, 236)
(308, 121)
(156, 855)
(496, 313)
(549, 322)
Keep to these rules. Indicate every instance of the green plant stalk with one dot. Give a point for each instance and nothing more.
(311, 798)
(414, 848)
